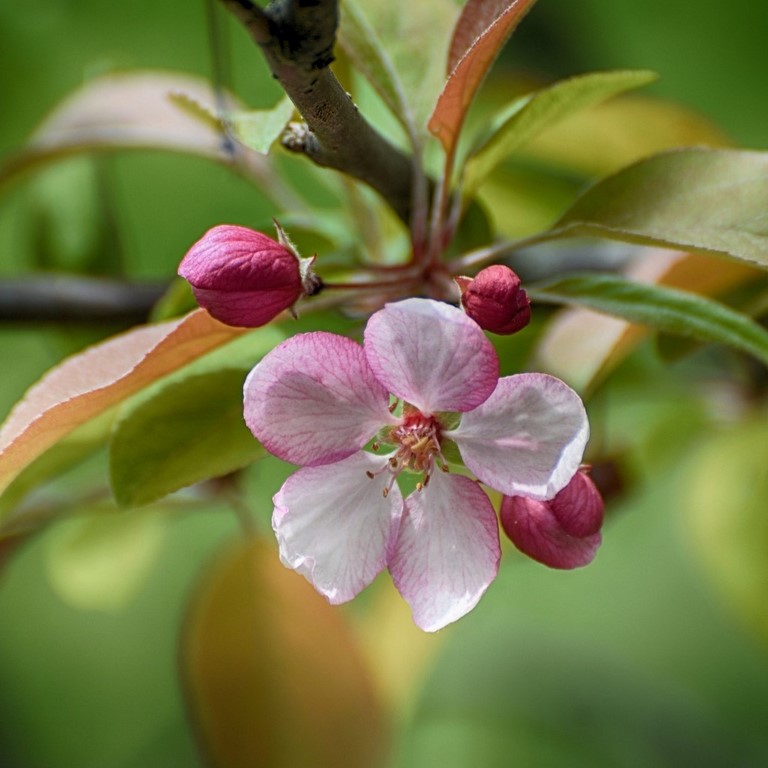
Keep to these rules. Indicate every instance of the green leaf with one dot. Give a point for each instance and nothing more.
(179, 434)
(362, 45)
(530, 115)
(701, 200)
(415, 38)
(726, 500)
(189, 426)
(665, 309)
(259, 129)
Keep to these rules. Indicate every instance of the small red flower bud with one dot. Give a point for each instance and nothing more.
(244, 278)
(495, 300)
(563, 532)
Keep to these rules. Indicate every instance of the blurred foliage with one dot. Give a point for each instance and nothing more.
(647, 658)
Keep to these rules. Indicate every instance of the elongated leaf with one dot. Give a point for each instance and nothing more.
(189, 426)
(259, 129)
(541, 110)
(274, 676)
(665, 309)
(401, 48)
(702, 200)
(138, 110)
(187, 431)
(581, 346)
(362, 45)
(90, 382)
(481, 31)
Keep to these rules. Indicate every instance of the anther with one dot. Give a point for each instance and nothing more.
(370, 474)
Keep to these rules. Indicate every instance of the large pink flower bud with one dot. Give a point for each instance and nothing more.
(244, 278)
(563, 532)
(495, 300)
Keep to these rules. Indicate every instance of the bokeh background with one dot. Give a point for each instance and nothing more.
(655, 655)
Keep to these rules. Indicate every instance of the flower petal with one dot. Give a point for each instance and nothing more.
(314, 399)
(527, 438)
(447, 552)
(535, 530)
(431, 355)
(335, 526)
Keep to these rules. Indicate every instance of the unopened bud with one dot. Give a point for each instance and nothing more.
(563, 532)
(244, 278)
(495, 300)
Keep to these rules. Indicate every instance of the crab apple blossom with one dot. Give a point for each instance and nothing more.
(244, 278)
(495, 300)
(563, 532)
(421, 395)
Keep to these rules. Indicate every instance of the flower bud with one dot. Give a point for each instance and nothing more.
(495, 300)
(244, 278)
(563, 532)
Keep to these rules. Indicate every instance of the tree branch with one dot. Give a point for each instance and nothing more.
(297, 38)
(59, 298)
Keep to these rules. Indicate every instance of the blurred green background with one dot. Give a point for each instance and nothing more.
(642, 659)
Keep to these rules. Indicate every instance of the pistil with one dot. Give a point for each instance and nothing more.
(417, 445)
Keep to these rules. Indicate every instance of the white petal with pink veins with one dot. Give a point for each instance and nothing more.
(335, 526)
(447, 552)
(431, 355)
(314, 399)
(527, 438)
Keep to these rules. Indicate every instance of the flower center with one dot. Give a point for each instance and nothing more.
(417, 443)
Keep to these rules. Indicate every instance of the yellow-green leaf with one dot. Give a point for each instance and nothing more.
(726, 500)
(259, 129)
(175, 435)
(99, 562)
(273, 674)
(543, 109)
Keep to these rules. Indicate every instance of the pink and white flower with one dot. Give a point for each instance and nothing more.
(422, 393)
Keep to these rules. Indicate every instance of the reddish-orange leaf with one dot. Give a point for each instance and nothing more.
(273, 674)
(481, 31)
(90, 382)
